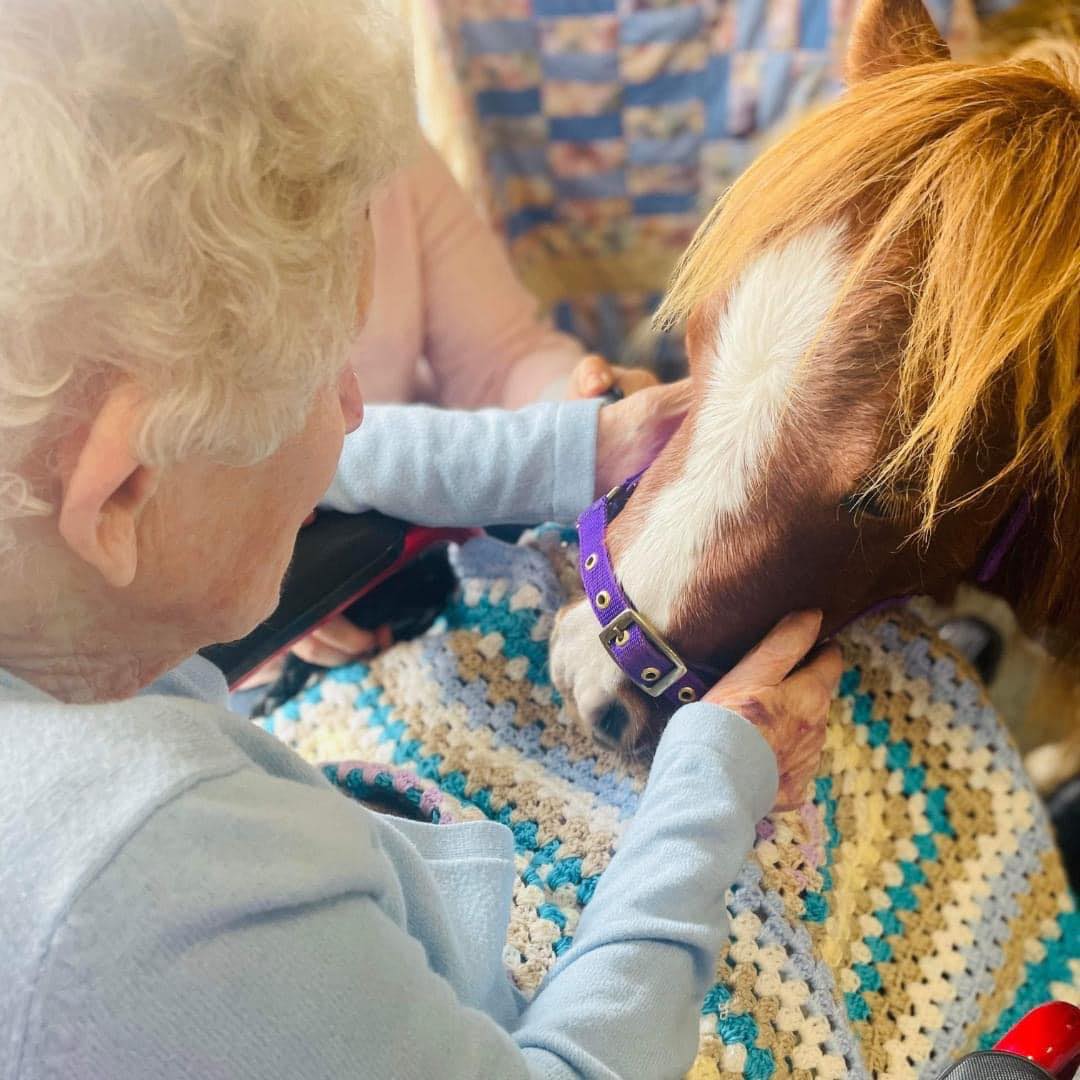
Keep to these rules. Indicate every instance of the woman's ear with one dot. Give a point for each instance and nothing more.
(891, 34)
(105, 489)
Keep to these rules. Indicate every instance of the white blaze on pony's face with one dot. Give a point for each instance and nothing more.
(748, 374)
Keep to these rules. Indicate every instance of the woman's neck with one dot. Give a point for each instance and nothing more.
(75, 678)
(75, 644)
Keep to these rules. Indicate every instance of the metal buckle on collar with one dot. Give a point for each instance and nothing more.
(615, 500)
(621, 624)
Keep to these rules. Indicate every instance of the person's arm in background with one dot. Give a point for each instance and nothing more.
(484, 336)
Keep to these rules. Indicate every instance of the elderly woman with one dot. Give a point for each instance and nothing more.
(184, 199)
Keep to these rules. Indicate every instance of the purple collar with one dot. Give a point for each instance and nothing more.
(631, 640)
(1004, 541)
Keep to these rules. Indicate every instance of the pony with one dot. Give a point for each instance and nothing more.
(883, 324)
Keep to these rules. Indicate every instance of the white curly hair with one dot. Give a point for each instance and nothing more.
(179, 204)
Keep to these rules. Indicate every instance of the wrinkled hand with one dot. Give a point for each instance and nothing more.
(594, 376)
(630, 433)
(788, 707)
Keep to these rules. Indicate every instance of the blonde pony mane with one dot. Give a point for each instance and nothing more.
(981, 163)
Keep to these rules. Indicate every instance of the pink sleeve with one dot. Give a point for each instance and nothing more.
(484, 337)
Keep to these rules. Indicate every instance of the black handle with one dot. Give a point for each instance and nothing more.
(335, 558)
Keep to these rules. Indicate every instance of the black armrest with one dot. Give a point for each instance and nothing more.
(338, 558)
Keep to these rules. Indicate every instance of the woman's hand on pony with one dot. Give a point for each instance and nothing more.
(594, 376)
(789, 705)
(631, 432)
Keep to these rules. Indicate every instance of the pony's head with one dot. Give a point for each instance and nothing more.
(883, 321)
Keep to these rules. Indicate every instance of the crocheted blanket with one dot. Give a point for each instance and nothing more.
(912, 909)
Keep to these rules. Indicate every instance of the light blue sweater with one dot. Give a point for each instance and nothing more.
(183, 897)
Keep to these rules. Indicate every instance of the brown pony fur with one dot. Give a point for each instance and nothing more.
(981, 163)
(1026, 26)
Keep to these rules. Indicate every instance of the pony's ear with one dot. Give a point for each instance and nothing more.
(891, 34)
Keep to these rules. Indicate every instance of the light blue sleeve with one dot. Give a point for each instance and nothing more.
(624, 999)
(493, 467)
(256, 927)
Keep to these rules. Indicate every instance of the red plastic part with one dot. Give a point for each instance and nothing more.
(1048, 1036)
(418, 539)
